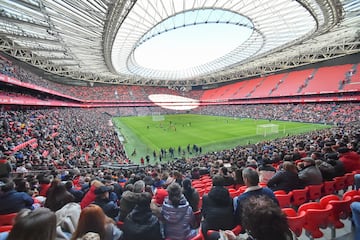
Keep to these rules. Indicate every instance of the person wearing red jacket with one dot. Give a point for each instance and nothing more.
(350, 159)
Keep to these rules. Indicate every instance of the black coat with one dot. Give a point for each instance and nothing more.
(192, 196)
(217, 210)
(285, 180)
(142, 224)
(110, 208)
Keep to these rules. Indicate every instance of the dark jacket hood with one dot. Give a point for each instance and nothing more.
(220, 195)
(130, 196)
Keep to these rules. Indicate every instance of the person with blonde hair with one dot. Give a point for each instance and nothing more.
(93, 219)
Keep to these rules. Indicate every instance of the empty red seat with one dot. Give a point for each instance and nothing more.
(328, 188)
(299, 196)
(201, 192)
(316, 217)
(339, 183)
(284, 199)
(202, 177)
(279, 192)
(349, 180)
(235, 193)
(341, 208)
(296, 220)
(194, 182)
(353, 195)
(207, 180)
(198, 185)
(314, 192)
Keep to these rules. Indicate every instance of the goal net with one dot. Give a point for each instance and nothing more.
(266, 129)
(156, 117)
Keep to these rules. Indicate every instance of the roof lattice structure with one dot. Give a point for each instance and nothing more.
(97, 40)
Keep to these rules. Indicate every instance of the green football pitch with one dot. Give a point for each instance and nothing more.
(211, 133)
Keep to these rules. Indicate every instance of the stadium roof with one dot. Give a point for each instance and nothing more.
(103, 40)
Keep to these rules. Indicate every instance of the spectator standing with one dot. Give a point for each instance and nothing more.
(217, 207)
(141, 223)
(177, 215)
(191, 194)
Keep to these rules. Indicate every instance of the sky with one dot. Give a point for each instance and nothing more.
(203, 42)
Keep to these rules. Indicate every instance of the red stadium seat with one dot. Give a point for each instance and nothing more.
(296, 220)
(7, 221)
(279, 192)
(235, 193)
(328, 188)
(284, 199)
(339, 183)
(353, 195)
(350, 180)
(206, 180)
(341, 210)
(201, 192)
(207, 189)
(316, 218)
(194, 182)
(198, 185)
(314, 192)
(299, 196)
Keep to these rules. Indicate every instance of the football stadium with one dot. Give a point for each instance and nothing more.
(179, 119)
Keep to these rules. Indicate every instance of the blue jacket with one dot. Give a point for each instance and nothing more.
(13, 201)
(252, 192)
(178, 221)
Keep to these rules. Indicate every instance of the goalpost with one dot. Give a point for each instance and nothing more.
(266, 129)
(157, 117)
